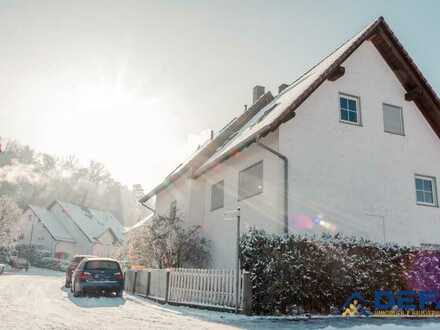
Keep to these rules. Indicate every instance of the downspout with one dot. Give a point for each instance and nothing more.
(286, 181)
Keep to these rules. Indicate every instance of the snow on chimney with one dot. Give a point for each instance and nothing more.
(258, 92)
(282, 87)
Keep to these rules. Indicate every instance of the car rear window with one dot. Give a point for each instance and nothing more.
(101, 265)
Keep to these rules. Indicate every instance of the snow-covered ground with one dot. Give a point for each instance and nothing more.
(38, 300)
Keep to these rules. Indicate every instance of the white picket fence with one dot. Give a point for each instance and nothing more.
(197, 287)
(209, 287)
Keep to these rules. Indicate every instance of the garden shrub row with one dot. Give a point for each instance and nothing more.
(40, 257)
(297, 274)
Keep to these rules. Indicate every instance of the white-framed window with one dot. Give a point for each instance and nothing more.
(349, 109)
(250, 181)
(173, 209)
(393, 119)
(217, 195)
(426, 190)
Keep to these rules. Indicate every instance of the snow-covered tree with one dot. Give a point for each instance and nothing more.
(9, 216)
(166, 243)
(172, 245)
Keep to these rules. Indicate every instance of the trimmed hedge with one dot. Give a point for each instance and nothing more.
(40, 257)
(298, 274)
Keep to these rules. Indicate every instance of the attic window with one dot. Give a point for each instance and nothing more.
(393, 119)
(349, 109)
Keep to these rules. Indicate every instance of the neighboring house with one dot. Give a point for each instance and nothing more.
(351, 146)
(66, 229)
(41, 227)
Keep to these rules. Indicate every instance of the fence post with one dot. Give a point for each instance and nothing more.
(134, 281)
(247, 293)
(147, 292)
(167, 286)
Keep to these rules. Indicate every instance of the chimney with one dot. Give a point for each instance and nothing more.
(282, 87)
(258, 92)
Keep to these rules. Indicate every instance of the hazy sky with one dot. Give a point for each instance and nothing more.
(134, 84)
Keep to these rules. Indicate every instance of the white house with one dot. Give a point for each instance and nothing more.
(351, 146)
(66, 229)
(41, 227)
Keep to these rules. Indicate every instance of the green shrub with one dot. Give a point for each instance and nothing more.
(297, 274)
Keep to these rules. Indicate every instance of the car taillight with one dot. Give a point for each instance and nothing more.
(84, 276)
(118, 276)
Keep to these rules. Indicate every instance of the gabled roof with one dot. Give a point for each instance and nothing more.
(283, 106)
(53, 225)
(93, 223)
(210, 147)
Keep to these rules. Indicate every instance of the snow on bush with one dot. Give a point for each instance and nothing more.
(297, 274)
(166, 242)
(38, 256)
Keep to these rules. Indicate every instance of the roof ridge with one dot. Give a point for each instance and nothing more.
(293, 84)
(90, 208)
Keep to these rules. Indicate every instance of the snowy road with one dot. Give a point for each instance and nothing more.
(37, 300)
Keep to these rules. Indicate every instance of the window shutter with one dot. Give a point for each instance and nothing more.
(393, 119)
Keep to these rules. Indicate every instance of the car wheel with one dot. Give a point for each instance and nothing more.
(76, 292)
(118, 293)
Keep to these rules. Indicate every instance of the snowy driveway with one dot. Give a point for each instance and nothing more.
(37, 300)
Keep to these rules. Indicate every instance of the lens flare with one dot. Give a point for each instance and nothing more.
(302, 221)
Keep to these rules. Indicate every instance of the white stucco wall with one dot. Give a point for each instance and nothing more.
(177, 191)
(353, 177)
(345, 172)
(68, 248)
(105, 246)
(41, 236)
(34, 232)
(263, 211)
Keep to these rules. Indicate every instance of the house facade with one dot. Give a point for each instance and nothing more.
(40, 227)
(352, 146)
(67, 229)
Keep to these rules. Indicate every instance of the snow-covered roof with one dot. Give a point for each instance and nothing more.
(284, 104)
(263, 120)
(52, 223)
(282, 107)
(210, 146)
(93, 223)
(140, 223)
